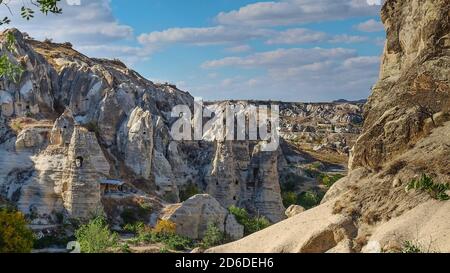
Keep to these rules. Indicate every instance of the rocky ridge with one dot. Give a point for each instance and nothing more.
(405, 135)
(81, 135)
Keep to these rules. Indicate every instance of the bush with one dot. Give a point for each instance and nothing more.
(213, 236)
(290, 182)
(309, 199)
(256, 224)
(164, 233)
(95, 237)
(410, 247)
(189, 191)
(165, 227)
(435, 190)
(131, 215)
(51, 241)
(251, 225)
(15, 235)
(289, 198)
(329, 180)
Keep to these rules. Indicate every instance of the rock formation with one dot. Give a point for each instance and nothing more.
(405, 135)
(73, 126)
(193, 216)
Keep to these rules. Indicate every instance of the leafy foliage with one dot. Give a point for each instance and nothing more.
(164, 233)
(435, 190)
(96, 237)
(190, 190)
(213, 236)
(15, 235)
(165, 227)
(131, 215)
(51, 241)
(309, 199)
(26, 12)
(410, 247)
(329, 180)
(8, 69)
(251, 224)
(289, 198)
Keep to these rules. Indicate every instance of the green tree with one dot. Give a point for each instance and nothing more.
(96, 237)
(15, 235)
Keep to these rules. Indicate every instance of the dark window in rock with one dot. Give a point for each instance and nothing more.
(145, 133)
(65, 126)
(27, 107)
(234, 198)
(255, 172)
(237, 182)
(158, 188)
(217, 183)
(79, 162)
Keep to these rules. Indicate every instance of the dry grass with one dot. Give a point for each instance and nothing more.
(19, 124)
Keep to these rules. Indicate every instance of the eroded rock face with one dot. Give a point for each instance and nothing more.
(85, 167)
(405, 135)
(135, 142)
(414, 81)
(193, 216)
(128, 120)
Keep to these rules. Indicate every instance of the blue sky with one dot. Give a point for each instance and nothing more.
(291, 50)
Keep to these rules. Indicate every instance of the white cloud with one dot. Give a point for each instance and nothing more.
(91, 22)
(374, 2)
(303, 35)
(348, 39)
(202, 36)
(287, 12)
(297, 75)
(283, 58)
(298, 36)
(371, 26)
(239, 49)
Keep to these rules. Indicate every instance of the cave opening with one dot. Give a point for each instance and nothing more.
(79, 162)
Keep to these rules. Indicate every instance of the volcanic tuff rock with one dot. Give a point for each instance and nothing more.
(76, 129)
(193, 216)
(406, 134)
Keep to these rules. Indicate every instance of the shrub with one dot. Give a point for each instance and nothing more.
(170, 197)
(51, 241)
(309, 199)
(165, 227)
(134, 228)
(435, 190)
(258, 223)
(164, 233)
(410, 247)
(190, 190)
(95, 237)
(251, 225)
(213, 236)
(329, 180)
(131, 215)
(174, 241)
(289, 198)
(240, 214)
(290, 182)
(15, 235)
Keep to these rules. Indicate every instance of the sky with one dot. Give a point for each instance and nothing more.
(289, 50)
